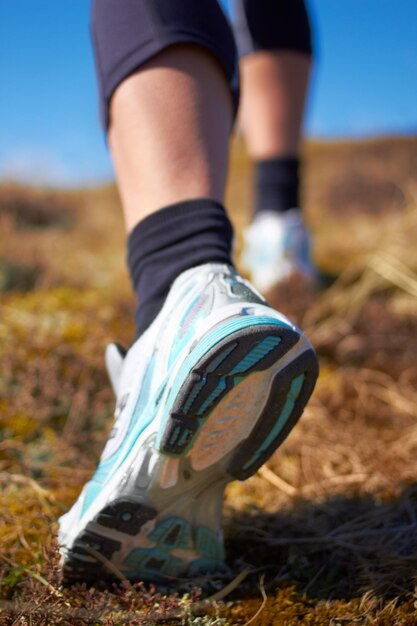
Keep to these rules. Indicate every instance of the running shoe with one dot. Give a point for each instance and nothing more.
(204, 396)
(277, 246)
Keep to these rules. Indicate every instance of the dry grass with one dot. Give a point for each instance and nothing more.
(327, 531)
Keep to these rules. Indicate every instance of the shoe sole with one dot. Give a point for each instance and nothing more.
(235, 407)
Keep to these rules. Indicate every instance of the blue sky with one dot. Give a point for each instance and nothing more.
(364, 83)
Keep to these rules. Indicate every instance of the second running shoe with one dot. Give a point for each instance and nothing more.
(278, 246)
(204, 396)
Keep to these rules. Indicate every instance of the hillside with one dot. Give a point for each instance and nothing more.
(326, 533)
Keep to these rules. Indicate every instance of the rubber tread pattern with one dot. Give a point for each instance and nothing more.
(230, 361)
(81, 564)
(305, 364)
(158, 562)
(213, 377)
(126, 516)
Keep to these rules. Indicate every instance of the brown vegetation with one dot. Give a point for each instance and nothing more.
(326, 533)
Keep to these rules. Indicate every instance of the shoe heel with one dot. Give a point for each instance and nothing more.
(231, 364)
(289, 393)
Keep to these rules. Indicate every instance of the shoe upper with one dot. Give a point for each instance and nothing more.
(194, 299)
(277, 245)
(199, 300)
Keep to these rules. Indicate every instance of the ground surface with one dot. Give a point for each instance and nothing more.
(327, 532)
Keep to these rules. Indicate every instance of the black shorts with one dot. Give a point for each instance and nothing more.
(127, 33)
(269, 25)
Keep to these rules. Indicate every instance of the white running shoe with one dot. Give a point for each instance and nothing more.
(277, 245)
(204, 396)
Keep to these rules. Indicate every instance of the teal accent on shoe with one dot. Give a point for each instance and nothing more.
(294, 392)
(148, 563)
(254, 356)
(144, 411)
(187, 326)
(172, 532)
(144, 393)
(220, 358)
(208, 544)
(199, 386)
(143, 399)
(211, 550)
(222, 384)
(176, 433)
(140, 420)
(91, 491)
(263, 348)
(206, 343)
(185, 434)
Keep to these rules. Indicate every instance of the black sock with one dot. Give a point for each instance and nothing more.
(276, 185)
(170, 241)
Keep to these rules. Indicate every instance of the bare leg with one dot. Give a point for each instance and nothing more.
(274, 86)
(153, 512)
(169, 130)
